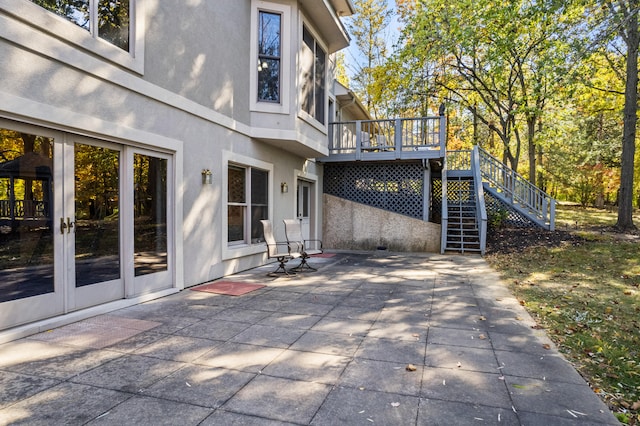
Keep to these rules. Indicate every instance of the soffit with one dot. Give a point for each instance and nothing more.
(327, 22)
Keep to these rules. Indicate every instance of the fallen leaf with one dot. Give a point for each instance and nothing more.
(482, 337)
(519, 318)
(636, 405)
(411, 367)
(546, 346)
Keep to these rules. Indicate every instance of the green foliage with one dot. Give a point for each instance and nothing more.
(496, 217)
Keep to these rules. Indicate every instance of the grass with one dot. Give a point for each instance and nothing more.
(587, 297)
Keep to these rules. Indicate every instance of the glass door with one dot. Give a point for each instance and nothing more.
(92, 223)
(150, 216)
(82, 222)
(30, 271)
(304, 207)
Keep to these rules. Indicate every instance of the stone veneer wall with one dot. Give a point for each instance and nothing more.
(353, 226)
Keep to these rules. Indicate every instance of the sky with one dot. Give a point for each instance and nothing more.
(353, 56)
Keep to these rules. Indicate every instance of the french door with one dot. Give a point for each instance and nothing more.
(82, 222)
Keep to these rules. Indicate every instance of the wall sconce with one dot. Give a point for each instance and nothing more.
(284, 187)
(207, 177)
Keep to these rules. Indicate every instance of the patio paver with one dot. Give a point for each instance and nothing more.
(322, 348)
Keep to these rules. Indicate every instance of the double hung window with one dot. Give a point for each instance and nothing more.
(248, 203)
(314, 64)
(105, 19)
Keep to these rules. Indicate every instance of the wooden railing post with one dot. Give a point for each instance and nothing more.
(358, 140)
(443, 135)
(397, 138)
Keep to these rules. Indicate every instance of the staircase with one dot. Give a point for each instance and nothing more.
(462, 232)
(467, 176)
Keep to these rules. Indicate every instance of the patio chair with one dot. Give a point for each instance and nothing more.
(281, 251)
(293, 232)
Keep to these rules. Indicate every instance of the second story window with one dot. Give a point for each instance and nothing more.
(105, 19)
(314, 60)
(269, 56)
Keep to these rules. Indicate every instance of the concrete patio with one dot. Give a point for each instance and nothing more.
(331, 347)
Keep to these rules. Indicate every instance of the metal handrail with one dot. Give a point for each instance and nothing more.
(481, 209)
(517, 189)
(444, 220)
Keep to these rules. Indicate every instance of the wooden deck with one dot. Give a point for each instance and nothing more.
(384, 140)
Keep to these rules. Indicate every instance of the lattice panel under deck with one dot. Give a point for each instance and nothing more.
(396, 187)
(495, 206)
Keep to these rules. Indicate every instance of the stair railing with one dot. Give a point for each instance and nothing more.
(515, 188)
(481, 209)
(444, 221)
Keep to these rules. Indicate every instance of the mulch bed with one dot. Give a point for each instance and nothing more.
(511, 240)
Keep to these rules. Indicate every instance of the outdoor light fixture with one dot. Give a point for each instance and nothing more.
(207, 177)
(284, 187)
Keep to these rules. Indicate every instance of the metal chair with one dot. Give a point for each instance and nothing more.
(307, 248)
(281, 251)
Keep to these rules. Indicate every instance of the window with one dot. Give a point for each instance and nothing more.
(105, 19)
(248, 203)
(269, 56)
(313, 67)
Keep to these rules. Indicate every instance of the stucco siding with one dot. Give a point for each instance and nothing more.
(353, 226)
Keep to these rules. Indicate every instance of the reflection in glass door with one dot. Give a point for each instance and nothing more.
(26, 215)
(97, 214)
(150, 214)
(92, 235)
(30, 287)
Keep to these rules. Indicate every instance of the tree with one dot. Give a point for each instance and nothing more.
(626, 16)
(499, 61)
(367, 27)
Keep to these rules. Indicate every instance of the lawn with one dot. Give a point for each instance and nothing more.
(586, 294)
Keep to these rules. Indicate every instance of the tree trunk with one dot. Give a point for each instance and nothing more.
(625, 205)
(531, 133)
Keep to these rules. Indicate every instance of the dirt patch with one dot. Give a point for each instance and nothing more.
(512, 240)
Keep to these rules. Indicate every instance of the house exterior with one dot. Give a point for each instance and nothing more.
(141, 145)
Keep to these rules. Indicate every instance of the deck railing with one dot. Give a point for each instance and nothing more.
(510, 185)
(387, 136)
(24, 209)
(481, 209)
(515, 188)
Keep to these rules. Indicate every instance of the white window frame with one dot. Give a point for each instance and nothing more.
(284, 11)
(301, 112)
(34, 27)
(234, 249)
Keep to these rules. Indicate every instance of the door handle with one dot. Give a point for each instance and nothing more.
(63, 225)
(69, 225)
